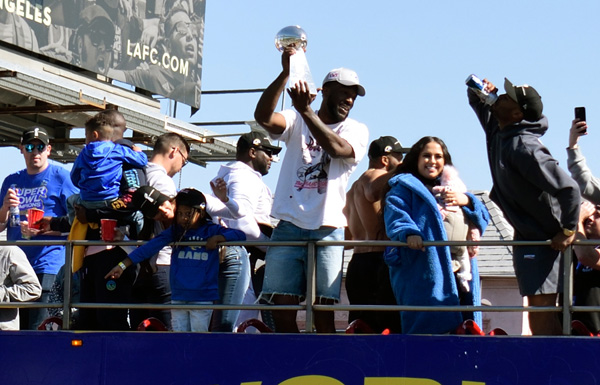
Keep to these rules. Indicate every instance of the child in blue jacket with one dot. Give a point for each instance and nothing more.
(194, 269)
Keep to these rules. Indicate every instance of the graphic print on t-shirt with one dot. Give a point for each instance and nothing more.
(32, 197)
(313, 175)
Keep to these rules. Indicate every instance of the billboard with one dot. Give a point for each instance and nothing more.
(155, 45)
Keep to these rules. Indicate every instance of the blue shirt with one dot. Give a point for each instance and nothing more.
(46, 191)
(98, 169)
(194, 269)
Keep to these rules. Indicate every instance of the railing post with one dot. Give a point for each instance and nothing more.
(68, 280)
(310, 286)
(567, 289)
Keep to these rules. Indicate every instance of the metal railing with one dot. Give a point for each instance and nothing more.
(310, 307)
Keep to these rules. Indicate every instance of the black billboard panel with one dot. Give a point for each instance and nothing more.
(155, 45)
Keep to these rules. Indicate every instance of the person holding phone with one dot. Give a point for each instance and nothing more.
(589, 185)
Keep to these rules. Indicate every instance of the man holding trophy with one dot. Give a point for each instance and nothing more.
(323, 148)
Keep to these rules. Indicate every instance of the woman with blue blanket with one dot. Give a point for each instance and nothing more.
(424, 276)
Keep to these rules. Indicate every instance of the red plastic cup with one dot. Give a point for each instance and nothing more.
(34, 215)
(107, 227)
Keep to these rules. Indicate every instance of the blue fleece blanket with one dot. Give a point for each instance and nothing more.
(418, 277)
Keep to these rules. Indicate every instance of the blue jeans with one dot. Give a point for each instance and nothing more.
(30, 319)
(234, 280)
(190, 320)
(285, 266)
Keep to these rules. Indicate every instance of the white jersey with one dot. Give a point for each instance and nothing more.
(311, 190)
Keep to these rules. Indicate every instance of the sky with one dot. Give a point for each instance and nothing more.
(412, 58)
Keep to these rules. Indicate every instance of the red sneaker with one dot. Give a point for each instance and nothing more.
(498, 332)
(51, 323)
(152, 325)
(469, 327)
(259, 325)
(359, 326)
(579, 329)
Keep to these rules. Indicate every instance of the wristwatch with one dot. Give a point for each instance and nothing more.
(568, 232)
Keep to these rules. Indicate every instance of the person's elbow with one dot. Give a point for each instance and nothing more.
(273, 122)
(344, 151)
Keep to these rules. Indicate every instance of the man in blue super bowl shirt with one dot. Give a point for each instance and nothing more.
(43, 186)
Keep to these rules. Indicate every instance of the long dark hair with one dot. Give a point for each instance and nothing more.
(411, 162)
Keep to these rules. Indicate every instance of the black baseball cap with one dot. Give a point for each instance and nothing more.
(383, 146)
(95, 16)
(257, 140)
(527, 98)
(148, 199)
(191, 197)
(35, 133)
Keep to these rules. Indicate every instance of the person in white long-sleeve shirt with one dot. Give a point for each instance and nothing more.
(254, 153)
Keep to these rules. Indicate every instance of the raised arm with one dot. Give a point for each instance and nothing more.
(482, 110)
(589, 185)
(265, 114)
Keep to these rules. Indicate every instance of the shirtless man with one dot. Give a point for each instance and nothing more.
(367, 278)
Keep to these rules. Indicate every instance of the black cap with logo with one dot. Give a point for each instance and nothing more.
(35, 133)
(257, 140)
(383, 146)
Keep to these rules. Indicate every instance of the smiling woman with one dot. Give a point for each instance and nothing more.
(425, 276)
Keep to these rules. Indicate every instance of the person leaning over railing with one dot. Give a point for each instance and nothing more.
(194, 269)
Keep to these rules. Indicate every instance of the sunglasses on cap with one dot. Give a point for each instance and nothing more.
(30, 146)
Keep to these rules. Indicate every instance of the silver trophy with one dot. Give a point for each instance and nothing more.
(299, 70)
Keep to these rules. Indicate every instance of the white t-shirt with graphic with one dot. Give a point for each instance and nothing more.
(311, 190)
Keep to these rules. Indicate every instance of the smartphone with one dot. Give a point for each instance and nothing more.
(580, 114)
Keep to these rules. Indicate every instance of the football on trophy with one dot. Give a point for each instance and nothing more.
(291, 35)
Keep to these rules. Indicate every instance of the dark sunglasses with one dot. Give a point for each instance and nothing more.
(97, 37)
(266, 151)
(30, 146)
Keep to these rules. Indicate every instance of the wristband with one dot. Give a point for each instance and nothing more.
(122, 266)
(568, 232)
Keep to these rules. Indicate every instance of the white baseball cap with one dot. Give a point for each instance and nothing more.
(346, 77)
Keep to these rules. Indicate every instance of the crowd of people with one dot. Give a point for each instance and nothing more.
(411, 195)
